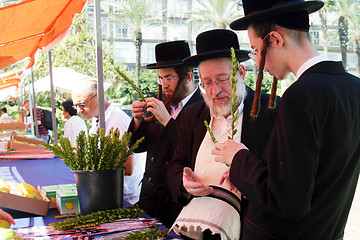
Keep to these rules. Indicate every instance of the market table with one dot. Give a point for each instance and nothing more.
(40, 172)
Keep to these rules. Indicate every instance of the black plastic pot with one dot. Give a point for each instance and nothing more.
(99, 190)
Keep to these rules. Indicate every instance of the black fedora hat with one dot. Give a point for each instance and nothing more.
(256, 10)
(215, 44)
(170, 54)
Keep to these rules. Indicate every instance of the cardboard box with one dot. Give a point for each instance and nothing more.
(16, 145)
(25, 204)
(67, 202)
(67, 186)
(20, 138)
(12, 125)
(50, 192)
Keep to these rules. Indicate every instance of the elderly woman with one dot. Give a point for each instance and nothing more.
(74, 123)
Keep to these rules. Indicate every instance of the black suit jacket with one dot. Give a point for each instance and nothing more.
(304, 184)
(159, 143)
(254, 133)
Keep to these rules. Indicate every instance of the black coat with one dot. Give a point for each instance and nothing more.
(304, 185)
(159, 143)
(254, 134)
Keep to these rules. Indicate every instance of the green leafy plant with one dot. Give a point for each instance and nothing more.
(138, 91)
(132, 84)
(234, 108)
(97, 152)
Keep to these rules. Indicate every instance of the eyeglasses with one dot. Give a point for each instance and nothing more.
(221, 82)
(167, 79)
(82, 105)
(253, 54)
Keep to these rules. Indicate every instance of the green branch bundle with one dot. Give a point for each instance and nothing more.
(97, 152)
(148, 233)
(137, 90)
(97, 218)
(132, 84)
(234, 108)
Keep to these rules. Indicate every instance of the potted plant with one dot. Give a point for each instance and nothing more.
(98, 166)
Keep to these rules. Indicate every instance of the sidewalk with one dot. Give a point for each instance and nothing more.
(352, 230)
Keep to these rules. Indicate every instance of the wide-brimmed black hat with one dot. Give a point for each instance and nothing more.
(170, 54)
(215, 44)
(283, 12)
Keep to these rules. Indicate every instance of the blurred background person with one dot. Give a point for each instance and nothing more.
(4, 115)
(74, 124)
(43, 132)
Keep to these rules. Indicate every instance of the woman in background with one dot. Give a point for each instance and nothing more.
(74, 123)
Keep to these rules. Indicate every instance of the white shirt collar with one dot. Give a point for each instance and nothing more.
(309, 63)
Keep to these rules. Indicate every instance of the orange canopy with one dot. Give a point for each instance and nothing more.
(12, 79)
(34, 24)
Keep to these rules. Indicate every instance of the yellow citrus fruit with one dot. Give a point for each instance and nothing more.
(4, 187)
(26, 188)
(53, 200)
(34, 196)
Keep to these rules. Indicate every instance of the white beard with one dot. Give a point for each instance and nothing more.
(225, 109)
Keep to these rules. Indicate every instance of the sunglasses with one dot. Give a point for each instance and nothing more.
(82, 105)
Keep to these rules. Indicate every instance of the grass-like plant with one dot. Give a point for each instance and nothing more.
(97, 152)
(138, 91)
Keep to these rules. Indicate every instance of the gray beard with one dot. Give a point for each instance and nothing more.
(225, 109)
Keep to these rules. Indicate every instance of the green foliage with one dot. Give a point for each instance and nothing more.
(148, 233)
(266, 83)
(97, 152)
(131, 83)
(218, 12)
(148, 86)
(234, 112)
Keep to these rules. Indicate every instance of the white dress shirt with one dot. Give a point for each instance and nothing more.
(72, 128)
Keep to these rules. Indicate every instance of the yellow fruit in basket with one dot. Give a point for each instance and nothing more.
(6, 233)
(4, 224)
(53, 199)
(4, 187)
(34, 196)
(69, 205)
(26, 188)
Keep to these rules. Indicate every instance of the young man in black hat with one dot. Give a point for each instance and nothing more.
(160, 132)
(304, 184)
(193, 171)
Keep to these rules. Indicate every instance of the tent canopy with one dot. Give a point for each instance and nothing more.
(34, 24)
(63, 79)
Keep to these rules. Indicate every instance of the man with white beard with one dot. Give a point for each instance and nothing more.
(214, 209)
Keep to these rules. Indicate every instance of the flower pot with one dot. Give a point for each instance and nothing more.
(99, 190)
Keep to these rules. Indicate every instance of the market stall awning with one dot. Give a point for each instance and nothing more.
(34, 24)
(64, 79)
(9, 84)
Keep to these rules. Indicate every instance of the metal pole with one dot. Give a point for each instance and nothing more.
(99, 65)
(34, 97)
(31, 108)
(52, 99)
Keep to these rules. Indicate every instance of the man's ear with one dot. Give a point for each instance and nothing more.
(242, 71)
(189, 77)
(277, 37)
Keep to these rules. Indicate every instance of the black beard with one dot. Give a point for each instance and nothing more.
(179, 94)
